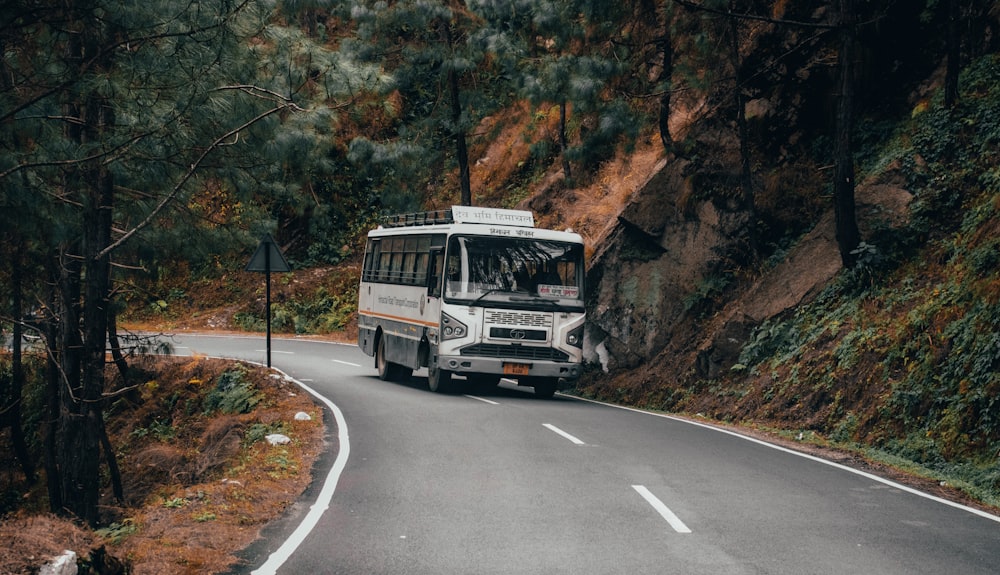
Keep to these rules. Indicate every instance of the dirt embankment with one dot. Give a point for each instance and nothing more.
(200, 478)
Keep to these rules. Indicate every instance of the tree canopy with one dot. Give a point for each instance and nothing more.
(128, 129)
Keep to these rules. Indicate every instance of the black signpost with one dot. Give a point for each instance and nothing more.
(268, 258)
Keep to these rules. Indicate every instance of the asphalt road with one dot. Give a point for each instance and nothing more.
(505, 483)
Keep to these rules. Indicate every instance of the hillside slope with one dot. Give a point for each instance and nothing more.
(898, 358)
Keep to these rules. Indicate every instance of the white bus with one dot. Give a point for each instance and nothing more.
(474, 292)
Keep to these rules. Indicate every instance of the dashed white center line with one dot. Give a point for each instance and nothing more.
(345, 363)
(482, 399)
(273, 351)
(558, 431)
(662, 509)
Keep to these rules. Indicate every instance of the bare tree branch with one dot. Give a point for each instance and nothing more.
(691, 5)
(188, 175)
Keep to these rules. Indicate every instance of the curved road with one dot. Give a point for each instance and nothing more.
(505, 483)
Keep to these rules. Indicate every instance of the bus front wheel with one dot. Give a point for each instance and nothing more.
(545, 387)
(438, 380)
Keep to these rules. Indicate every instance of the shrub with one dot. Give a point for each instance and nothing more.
(232, 394)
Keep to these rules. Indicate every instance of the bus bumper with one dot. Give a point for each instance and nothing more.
(514, 369)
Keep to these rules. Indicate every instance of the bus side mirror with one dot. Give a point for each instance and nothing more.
(435, 264)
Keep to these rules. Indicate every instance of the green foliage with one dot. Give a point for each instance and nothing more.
(118, 531)
(319, 312)
(258, 431)
(175, 503)
(231, 394)
(162, 431)
(707, 292)
(249, 322)
(907, 344)
(281, 464)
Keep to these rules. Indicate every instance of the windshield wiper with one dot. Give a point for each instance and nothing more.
(546, 302)
(486, 293)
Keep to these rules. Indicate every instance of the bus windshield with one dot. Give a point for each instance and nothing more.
(488, 268)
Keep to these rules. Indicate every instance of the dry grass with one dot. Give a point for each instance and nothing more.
(198, 489)
(30, 540)
(504, 149)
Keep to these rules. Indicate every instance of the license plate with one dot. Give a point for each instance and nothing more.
(515, 368)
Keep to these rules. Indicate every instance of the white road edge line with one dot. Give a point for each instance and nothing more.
(834, 464)
(482, 399)
(345, 363)
(556, 430)
(662, 509)
(281, 554)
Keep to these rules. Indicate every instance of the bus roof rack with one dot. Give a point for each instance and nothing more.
(420, 219)
(463, 215)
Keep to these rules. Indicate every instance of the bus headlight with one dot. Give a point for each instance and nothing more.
(451, 328)
(575, 337)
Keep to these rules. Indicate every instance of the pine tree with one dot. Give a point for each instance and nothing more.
(561, 54)
(115, 120)
(424, 48)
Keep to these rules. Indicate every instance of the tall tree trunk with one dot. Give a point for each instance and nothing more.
(848, 235)
(666, 81)
(12, 413)
(84, 344)
(116, 347)
(954, 56)
(746, 177)
(564, 141)
(53, 404)
(77, 448)
(122, 365)
(114, 471)
(457, 130)
(77, 445)
(462, 151)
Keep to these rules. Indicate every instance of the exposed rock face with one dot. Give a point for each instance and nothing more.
(645, 282)
(664, 245)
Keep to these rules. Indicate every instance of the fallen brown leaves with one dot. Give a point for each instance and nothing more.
(198, 487)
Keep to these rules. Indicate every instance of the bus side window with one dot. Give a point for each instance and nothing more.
(434, 267)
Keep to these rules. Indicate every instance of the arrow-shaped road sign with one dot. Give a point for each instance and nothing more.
(268, 258)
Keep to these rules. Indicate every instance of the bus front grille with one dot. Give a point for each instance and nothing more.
(521, 352)
(519, 318)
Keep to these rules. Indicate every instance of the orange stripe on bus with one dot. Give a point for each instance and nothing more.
(398, 318)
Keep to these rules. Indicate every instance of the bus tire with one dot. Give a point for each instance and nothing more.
(387, 370)
(439, 380)
(545, 387)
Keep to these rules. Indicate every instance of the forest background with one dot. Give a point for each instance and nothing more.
(146, 147)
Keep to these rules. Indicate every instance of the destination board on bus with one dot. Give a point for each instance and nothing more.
(558, 291)
(496, 216)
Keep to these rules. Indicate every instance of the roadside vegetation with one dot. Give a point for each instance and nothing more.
(199, 478)
(899, 357)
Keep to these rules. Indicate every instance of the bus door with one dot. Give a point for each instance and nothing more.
(430, 305)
